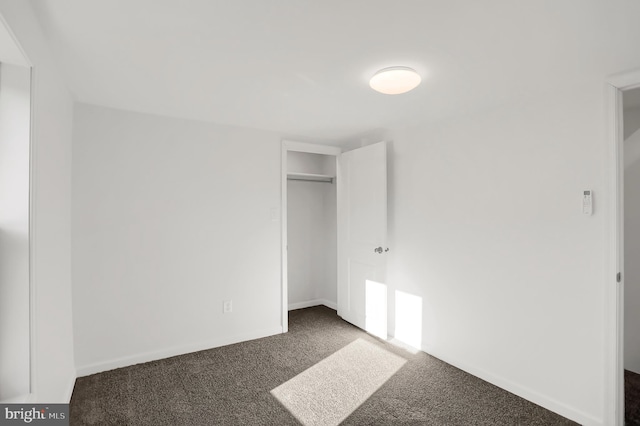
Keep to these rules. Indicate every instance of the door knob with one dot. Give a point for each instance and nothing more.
(379, 250)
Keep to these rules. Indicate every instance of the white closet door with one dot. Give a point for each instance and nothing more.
(362, 237)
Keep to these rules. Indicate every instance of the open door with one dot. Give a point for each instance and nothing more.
(362, 237)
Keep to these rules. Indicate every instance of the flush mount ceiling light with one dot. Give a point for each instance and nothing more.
(395, 80)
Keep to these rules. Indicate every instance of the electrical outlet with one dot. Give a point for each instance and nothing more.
(227, 306)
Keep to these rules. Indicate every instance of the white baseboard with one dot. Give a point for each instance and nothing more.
(70, 386)
(632, 368)
(522, 391)
(27, 398)
(542, 400)
(330, 304)
(99, 367)
(310, 303)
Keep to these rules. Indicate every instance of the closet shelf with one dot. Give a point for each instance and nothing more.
(310, 177)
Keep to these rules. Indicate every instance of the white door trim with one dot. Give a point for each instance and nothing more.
(614, 339)
(287, 146)
(14, 54)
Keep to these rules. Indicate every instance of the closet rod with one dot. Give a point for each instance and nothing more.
(328, 180)
(308, 177)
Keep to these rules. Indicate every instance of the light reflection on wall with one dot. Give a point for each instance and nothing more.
(408, 324)
(376, 308)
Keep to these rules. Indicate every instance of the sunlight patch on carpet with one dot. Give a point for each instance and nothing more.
(326, 393)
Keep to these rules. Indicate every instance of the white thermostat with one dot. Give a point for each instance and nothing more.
(587, 202)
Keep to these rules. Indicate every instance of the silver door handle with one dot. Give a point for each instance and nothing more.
(379, 250)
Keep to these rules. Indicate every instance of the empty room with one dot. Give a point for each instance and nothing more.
(318, 212)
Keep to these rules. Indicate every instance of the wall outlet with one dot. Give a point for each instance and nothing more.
(227, 306)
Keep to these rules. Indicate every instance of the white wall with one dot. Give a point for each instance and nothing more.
(15, 110)
(631, 121)
(53, 363)
(329, 291)
(304, 162)
(171, 218)
(632, 252)
(486, 228)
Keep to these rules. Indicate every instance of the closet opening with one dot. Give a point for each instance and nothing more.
(309, 227)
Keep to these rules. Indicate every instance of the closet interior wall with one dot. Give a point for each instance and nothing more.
(311, 232)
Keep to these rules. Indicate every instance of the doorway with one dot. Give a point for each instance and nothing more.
(631, 203)
(345, 249)
(309, 220)
(617, 278)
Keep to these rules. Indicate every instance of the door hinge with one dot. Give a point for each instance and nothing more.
(619, 277)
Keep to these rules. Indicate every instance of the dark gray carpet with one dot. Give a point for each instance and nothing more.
(231, 386)
(631, 398)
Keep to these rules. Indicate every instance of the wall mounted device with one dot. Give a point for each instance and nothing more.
(587, 202)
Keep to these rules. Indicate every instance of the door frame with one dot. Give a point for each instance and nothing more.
(614, 297)
(293, 146)
(14, 54)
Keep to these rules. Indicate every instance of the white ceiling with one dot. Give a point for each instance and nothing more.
(301, 67)
(10, 52)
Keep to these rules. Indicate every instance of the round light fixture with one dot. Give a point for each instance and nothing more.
(395, 80)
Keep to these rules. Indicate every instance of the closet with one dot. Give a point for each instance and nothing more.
(311, 230)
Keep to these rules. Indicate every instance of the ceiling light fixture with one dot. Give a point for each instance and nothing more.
(395, 80)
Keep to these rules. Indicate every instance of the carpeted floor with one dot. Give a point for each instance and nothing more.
(631, 398)
(232, 385)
